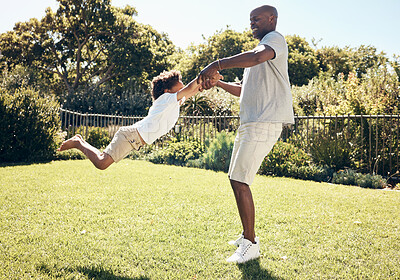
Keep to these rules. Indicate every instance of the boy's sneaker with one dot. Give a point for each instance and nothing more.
(247, 251)
(238, 241)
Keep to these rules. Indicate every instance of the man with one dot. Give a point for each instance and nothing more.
(265, 106)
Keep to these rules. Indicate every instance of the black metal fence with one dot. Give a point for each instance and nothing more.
(372, 140)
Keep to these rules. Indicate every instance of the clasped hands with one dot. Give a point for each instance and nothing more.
(209, 76)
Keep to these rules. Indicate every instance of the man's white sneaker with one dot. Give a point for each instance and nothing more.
(247, 251)
(238, 241)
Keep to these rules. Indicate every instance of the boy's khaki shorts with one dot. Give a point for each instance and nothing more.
(125, 140)
(252, 143)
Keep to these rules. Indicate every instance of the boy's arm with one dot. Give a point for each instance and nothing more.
(189, 90)
(192, 88)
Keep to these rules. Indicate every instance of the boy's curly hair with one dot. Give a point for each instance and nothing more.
(166, 80)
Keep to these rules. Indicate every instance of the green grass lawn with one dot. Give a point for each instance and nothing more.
(137, 220)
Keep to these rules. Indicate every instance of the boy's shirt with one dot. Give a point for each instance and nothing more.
(162, 116)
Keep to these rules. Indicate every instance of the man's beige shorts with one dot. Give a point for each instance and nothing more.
(253, 142)
(125, 140)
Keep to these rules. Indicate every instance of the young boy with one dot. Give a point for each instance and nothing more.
(168, 93)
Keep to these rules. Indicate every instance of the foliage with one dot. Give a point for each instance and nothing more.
(218, 154)
(72, 154)
(222, 102)
(332, 150)
(396, 65)
(198, 105)
(177, 153)
(376, 92)
(302, 61)
(29, 126)
(98, 137)
(222, 44)
(86, 43)
(350, 177)
(335, 60)
(281, 155)
(287, 160)
(129, 100)
(22, 77)
(143, 152)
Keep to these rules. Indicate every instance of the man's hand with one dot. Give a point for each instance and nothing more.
(210, 83)
(209, 72)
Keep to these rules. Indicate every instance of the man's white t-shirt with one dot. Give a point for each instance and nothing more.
(265, 95)
(162, 116)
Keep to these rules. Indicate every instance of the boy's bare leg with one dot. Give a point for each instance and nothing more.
(100, 160)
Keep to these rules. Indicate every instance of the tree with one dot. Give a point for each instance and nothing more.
(396, 65)
(87, 43)
(302, 61)
(221, 44)
(335, 60)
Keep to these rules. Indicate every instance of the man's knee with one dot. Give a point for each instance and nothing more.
(239, 186)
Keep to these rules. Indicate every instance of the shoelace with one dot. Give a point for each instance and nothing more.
(242, 250)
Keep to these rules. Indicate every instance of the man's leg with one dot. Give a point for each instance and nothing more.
(100, 160)
(245, 204)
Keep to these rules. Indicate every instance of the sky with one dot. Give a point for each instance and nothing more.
(331, 23)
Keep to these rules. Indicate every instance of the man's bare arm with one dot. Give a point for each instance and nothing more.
(233, 88)
(251, 58)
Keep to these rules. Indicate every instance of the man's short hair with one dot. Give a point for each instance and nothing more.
(165, 81)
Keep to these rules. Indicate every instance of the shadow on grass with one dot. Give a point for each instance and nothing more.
(93, 273)
(253, 270)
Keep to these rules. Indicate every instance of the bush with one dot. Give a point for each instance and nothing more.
(29, 126)
(350, 177)
(218, 154)
(70, 154)
(282, 156)
(142, 154)
(177, 153)
(287, 160)
(96, 136)
(331, 150)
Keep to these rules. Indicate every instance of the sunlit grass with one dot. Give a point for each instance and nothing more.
(136, 220)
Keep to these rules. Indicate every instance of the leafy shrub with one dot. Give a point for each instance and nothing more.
(350, 177)
(196, 163)
(70, 154)
(142, 154)
(29, 126)
(331, 150)
(177, 153)
(282, 156)
(287, 160)
(218, 154)
(310, 172)
(99, 137)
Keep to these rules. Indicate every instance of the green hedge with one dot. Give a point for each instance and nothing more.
(287, 160)
(29, 126)
(350, 177)
(177, 153)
